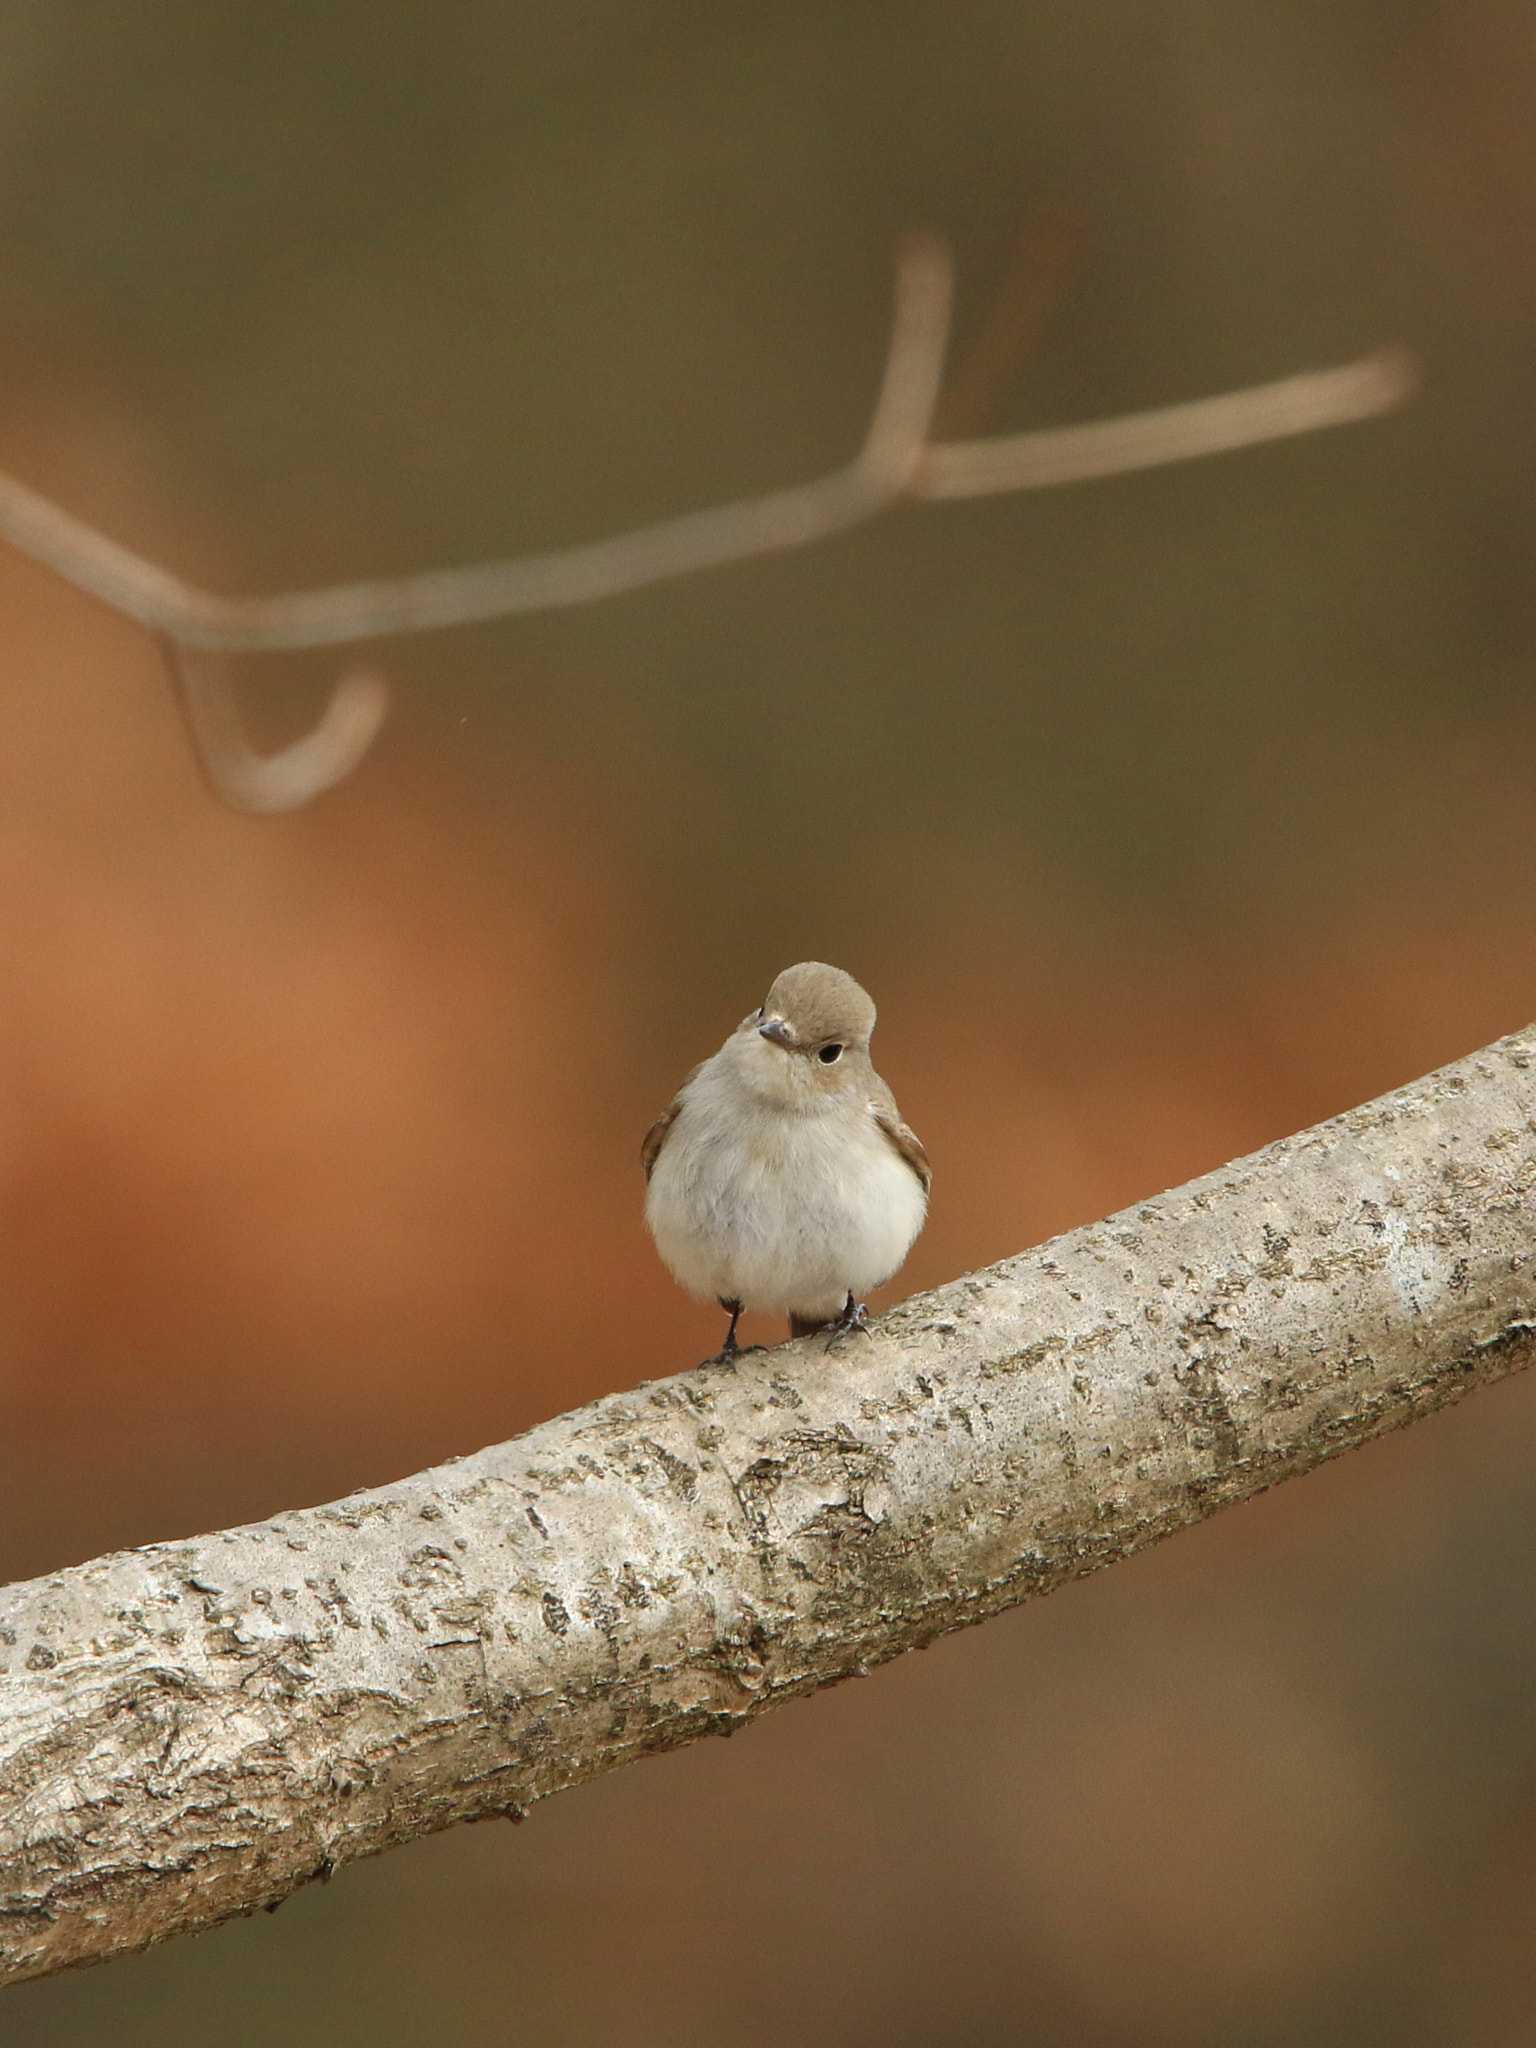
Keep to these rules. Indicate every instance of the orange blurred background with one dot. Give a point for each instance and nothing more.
(1161, 817)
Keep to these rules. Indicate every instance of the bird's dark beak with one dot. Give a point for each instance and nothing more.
(776, 1029)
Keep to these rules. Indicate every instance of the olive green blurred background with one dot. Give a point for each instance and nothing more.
(1161, 815)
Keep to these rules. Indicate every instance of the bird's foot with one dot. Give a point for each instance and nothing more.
(854, 1321)
(732, 1352)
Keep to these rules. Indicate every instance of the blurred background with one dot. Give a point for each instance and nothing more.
(1162, 816)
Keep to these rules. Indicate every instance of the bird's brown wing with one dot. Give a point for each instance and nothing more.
(906, 1141)
(656, 1137)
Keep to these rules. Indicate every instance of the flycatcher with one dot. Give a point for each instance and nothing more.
(782, 1176)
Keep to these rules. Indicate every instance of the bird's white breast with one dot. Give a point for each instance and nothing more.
(779, 1207)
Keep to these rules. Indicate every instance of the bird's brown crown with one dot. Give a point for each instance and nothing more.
(818, 1002)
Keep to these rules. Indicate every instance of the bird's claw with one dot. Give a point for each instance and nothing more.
(854, 1321)
(731, 1353)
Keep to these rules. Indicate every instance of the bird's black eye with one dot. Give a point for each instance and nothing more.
(829, 1053)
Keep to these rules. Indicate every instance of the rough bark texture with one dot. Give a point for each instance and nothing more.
(193, 1730)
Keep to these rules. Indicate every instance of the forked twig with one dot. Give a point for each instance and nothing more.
(882, 472)
(896, 463)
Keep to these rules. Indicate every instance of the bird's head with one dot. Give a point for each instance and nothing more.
(814, 1028)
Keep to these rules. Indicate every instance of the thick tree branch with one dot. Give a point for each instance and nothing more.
(195, 1729)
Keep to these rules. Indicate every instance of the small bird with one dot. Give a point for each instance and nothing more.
(782, 1175)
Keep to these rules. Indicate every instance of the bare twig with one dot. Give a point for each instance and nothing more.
(894, 464)
(1172, 433)
(881, 472)
(1031, 287)
(194, 1730)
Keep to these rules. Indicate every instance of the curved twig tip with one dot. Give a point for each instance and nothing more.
(267, 784)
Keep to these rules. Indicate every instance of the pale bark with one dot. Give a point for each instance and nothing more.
(195, 1729)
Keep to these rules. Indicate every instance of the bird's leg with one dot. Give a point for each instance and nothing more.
(731, 1350)
(852, 1322)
